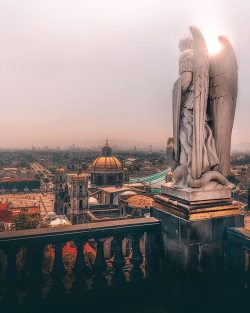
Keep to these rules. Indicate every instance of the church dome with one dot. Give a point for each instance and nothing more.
(93, 201)
(108, 162)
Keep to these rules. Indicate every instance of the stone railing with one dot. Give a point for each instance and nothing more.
(238, 255)
(37, 265)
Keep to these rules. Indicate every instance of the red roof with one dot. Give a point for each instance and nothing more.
(4, 206)
(5, 214)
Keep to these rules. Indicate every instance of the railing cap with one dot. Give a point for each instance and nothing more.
(90, 230)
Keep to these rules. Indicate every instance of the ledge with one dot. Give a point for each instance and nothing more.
(67, 233)
(239, 235)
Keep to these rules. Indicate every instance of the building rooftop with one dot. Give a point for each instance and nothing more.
(139, 201)
(113, 189)
(75, 176)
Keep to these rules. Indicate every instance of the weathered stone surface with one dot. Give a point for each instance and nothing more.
(194, 245)
(212, 255)
(195, 231)
(220, 225)
(176, 253)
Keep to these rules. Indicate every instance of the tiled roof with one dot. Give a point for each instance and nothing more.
(108, 162)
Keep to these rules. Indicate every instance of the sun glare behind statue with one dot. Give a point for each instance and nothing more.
(213, 45)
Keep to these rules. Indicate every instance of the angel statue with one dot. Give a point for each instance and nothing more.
(204, 101)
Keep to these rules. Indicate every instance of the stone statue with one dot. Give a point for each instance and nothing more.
(204, 100)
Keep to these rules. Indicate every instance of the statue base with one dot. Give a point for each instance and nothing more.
(192, 203)
(194, 224)
(213, 191)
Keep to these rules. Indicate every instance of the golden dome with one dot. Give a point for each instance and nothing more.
(108, 162)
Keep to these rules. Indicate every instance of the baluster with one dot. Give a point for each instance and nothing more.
(119, 260)
(11, 277)
(35, 265)
(79, 269)
(48, 262)
(58, 271)
(100, 264)
(151, 253)
(23, 273)
(127, 247)
(136, 258)
(112, 248)
(248, 268)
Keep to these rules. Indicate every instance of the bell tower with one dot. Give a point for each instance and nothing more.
(60, 189)
(78, 196)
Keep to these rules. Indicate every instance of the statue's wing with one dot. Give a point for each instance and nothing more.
(223, 85)
(176, 118)
(200, 79)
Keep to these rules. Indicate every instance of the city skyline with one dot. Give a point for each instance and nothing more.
(124, 156)
(82, 73)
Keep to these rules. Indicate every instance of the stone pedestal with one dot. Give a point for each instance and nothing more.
(194, 224)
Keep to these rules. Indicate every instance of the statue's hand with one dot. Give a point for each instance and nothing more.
(186, 81)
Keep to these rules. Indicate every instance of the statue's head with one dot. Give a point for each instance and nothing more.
(186, 43)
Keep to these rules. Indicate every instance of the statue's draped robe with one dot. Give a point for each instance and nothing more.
(209, 156)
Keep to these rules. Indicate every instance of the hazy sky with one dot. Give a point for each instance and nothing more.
(78, 71)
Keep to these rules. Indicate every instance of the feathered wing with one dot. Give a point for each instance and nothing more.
(223, 86)
(176, 102)
(201, 80)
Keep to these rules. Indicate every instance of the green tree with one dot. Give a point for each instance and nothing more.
(233, 179)
(26, 221)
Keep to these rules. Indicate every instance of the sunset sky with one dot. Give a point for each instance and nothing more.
(78, 71)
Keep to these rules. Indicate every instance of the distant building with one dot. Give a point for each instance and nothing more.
(136, 205)
(16, 172)
(77, 185)
(71, 194)
(60, 189)
(110, 195)
(14, 185)
(60, 179)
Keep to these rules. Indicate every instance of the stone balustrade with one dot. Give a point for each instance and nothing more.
(238, 255)
(51, 263)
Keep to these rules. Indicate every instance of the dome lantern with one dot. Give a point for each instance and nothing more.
(106, 150)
